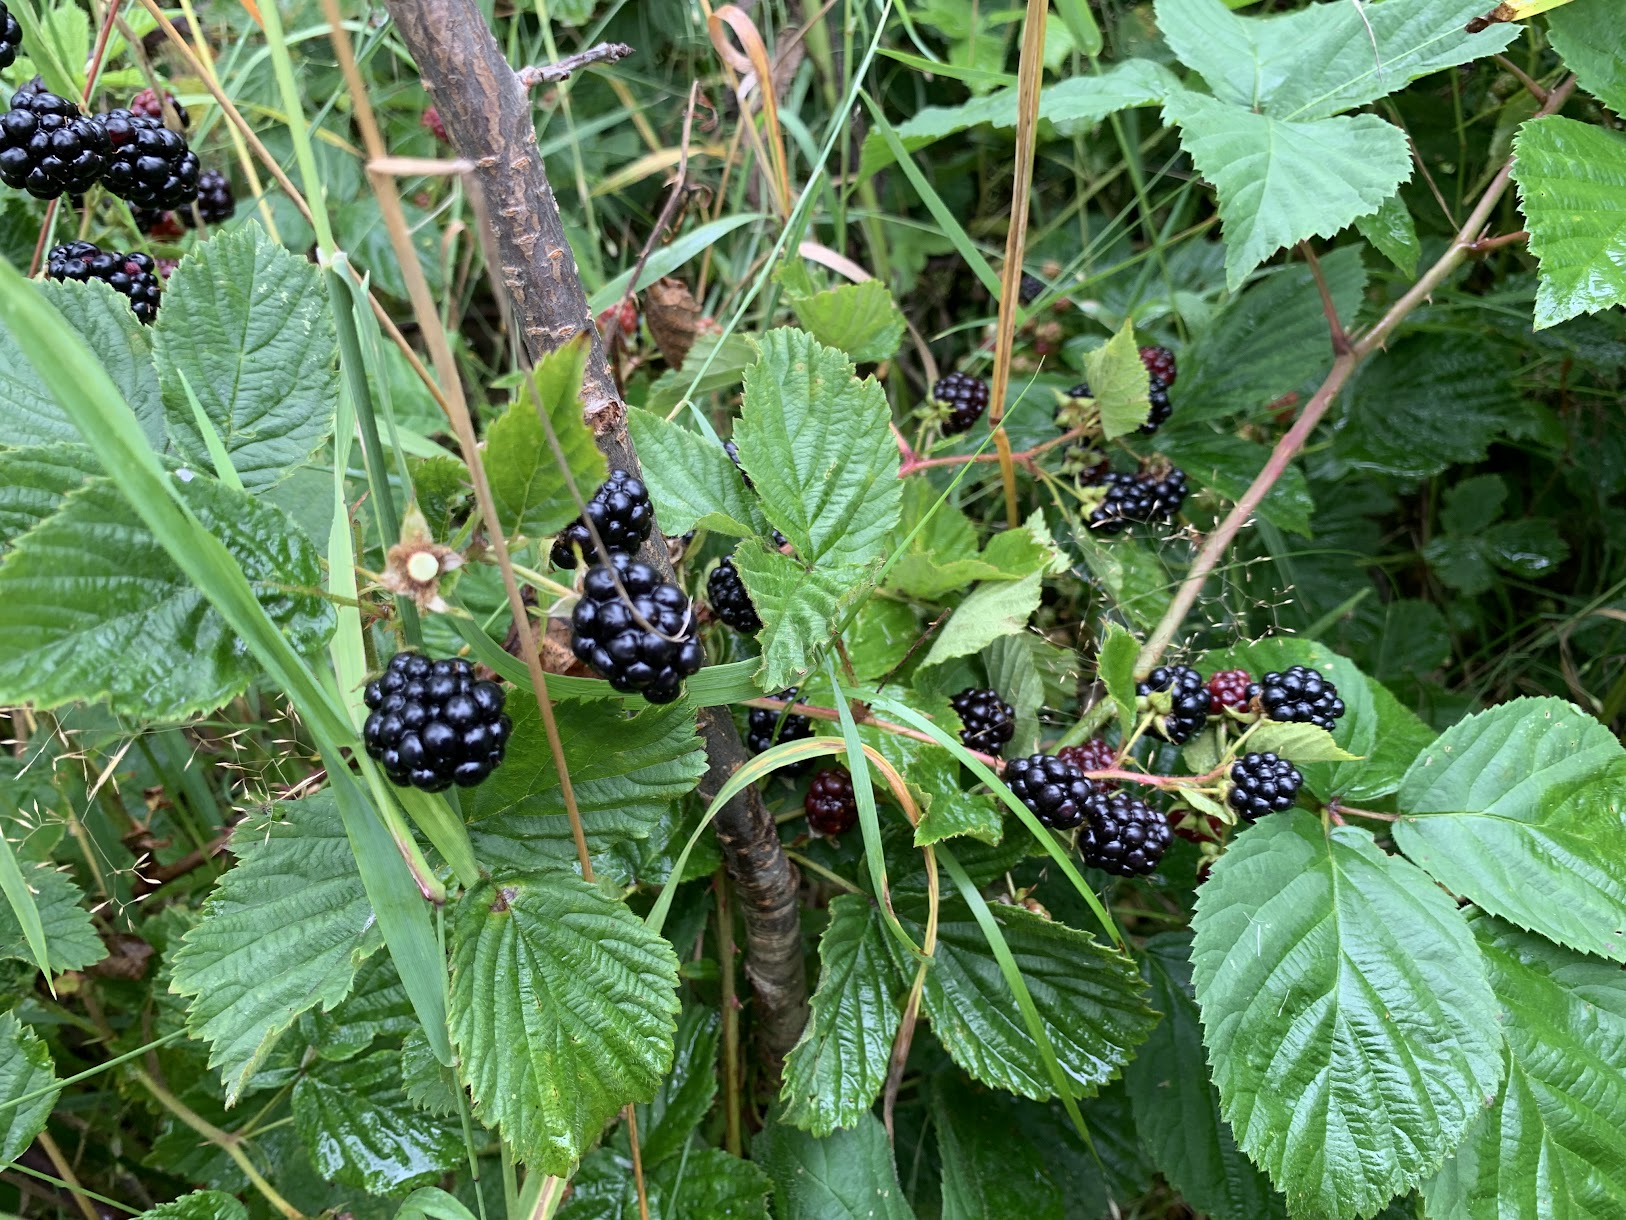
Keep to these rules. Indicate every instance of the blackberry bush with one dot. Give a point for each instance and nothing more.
(1126, 836)
(1056, 792)
(134, 275)
(49, 147)
(830, 805)
(150, 166)
(1180, 690)
(988, 721)
(965, 397)
(729, 600)
(1138, 499)
(1261, 784)
(645, 645)
(431, 724)
(1159, 362)
(621, 513)
(1298, 695)
(767, 727)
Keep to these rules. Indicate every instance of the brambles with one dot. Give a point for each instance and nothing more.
(767, 728)
(134, 275)
(49, 147)
(1056, 792)
(964, 398)
(643, 646)
(1139, 499)
(830, 805)
(149, 165)
(1229, 688)
(621, 513)
(988, 720)
(1261, 784)
(1126, 837)
(432, 725)
(1298, 695)
(729, 600)
(1178, 699)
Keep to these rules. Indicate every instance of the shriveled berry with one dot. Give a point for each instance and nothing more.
(830, 805)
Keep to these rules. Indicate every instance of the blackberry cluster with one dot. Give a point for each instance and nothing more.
(1138, 499)
(608, 632)
(431, 725)
(1056, 792)
(621, 513)
(987, 720)
(49, 147)
(767, 728)
(135, 275)
(1126, 836)
(830, 806)
(1188, 711)
(1298, 695)
(147, 105)
(1161, 372)
(158, 222)
(215, 202)
(1159, 362)
(150, 166)
(1094, 755)
(729, 600)
(1031, 290)
(1261, 784)
(1229, 688)
(965, 396)
(11, 37)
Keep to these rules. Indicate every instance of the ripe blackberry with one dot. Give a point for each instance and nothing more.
(1126, 837)
(1182, 687)
(1138, 499)
(729, 600)
(48, 147)
(1055, 791)
(1094, 755)
(11, 37)
(606, 633)
(1298, 695)
(215, 200)
(830, 806)
(1229, 688)
(987, 720)
(1159, 362)
(135, 275)
(1031, 290)
(431, 725)
(1157, 396)
(147, 105)
(151, 166)
(966, 398)
(768, 727)
(621, 513)
(1261, 784)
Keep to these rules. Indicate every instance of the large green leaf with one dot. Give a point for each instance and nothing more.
(847, 1175)
(92, 607)
(800, 608)
(817, 442)
(283, 932)
(1572, 187)
(1177, 1108)
(859, 319)
(34, 481)
(1550, 1149)
(835, 1073)
(1352, 1033)
(71, 942)
(1518, 809)
(245, 323)
(1590, 37)
(25, 1068)
(1281, 181)
(691, 480)
(563, 1009)
(667, 1125)
(517, 817)
(708, 1182)
(988, 612)
(361, 1130)
(531, 495)
(199, 1205)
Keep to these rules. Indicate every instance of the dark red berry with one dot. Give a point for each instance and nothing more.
(1229, 688)
(1159, 362)
(147, 105)
(1093, 755)
(830, 806)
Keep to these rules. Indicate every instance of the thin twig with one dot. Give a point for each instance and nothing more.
(1486, 244)
(66, 1170)
(552, 74)
(733, 1140)
(1535, 90)
(631, 1113)
(1340, 339)
(673, 201)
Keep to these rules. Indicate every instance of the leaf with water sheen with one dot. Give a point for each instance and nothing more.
(1572, 188)
(35, 481)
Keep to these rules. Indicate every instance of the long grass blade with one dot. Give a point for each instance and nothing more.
(15, 887)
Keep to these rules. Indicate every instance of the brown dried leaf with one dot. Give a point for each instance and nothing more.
(673, 316)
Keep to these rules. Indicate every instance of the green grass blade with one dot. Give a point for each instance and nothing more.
(224, 470)
(15, 887)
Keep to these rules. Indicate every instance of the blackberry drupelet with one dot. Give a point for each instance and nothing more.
(48, 147)
(1159, 362)
(729, 600)
(135, 275)
(1229, 688)
(988, 721)
(1126, 836)
(830, 806)
(1055, 791)
(431, 725)
(1093, 755)
(607, 636)
(216, 202)
(1298, 695)
(1189, 702)
(1261, 784)
(965, 396)
(11, 38)
(147, 105)
(150, 166)
(621, 513)
(768, 727)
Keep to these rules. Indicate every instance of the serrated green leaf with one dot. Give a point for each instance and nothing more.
(1132, 574)
(817, 442)
(1550, 1148)
(517, 818)
(800, 609)
(1119, 383)
(246, 321)
(35, 481)
(442, 487)
(880, 637)
(709, 1182)
(92, 607)
(724, 360)
(563, 1009)
(377, 1007)
(988, 612)
(859, 319)
(25, 1067)
(991, 1169)
(1590, 37)
(1472, 504)
(530, 493)
(1281, 181)
(430, 1084)
(1298, 742)
(1572, 189)
(1177, 1108)
(691, 480)
(1116, 667)
(847, 1175)
(70, 938)
(666, 1124)
(1345, 1009)
(199, 1205)
(283, 932)
(1393, 234)
(361, 1130)
(1516, 804)
(835, 1072)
